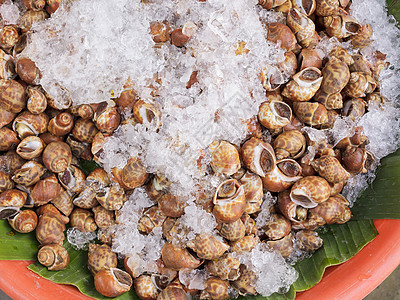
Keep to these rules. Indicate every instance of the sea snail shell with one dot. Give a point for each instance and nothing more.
(54, 257)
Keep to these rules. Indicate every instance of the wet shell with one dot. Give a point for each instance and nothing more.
(29, 173)
(111, 198)
(52, 5)
(63, 202)
(357, 160)
(224, 158)
(303, 28)
(342, 54)
(109, 119)
(174, 291)
(274, 114)
(253, 191)
(157, 187)
(327, 7)
(37, 101)
(5, 182)
(27, 70)
(330, 101)
(258, 156)
(309, 240)
(359, 85)
(24, 222)
(57, 157)
(312, 222)
(27, 124)
(104, 218)
(289, 144)
(229, 201)
(134, 173)
(289, 209)
(13, 197)
(100, 257)
(5, 117)
(277, 227)
(147, 113)
(112, 282)
(50, 228)
(152, 217)
(304, 85)
(310, 113)
(284, 246)
(279, 32)
(172, 206)
(330, 168)
(245, 244)
(268, 4)
(72, 179)
(61, 124)
(246, 283)
(145, 288)
(34, 4)
(8, 139)
(271, 78)
(226, 267)
(309, 58)
(289, 65)
(333, 210)
(285, 174)
(30, 147)
(55, 257)
(336, 75)
(30, 17)
(216, 289)
(8, 36)
(354, 108)
(83, 220)
(306, 7)
(86, 199)
(177, 258)
(310, 191)
(362, 39)
(84, 130)
(208, 247)
(341, 26)
(45, 190)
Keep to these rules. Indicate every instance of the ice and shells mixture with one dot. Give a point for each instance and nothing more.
(93, 50)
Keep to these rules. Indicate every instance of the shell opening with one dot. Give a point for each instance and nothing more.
(307, 5)
(310, 75)
(369, 161)
(281, 109)
(30, 146)
(8, 212)
(227, 190)
(301, 198)
(301, 213)
(352, 27)
(266, 161)
(290, 168)
(122, 277)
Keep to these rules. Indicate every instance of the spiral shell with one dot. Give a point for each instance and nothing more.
(333, 210)
(157, 187)
(13, 197)
(8, 139)
(253, 191)
(306, 7)
(268, 4)
(174, 291)
(354, 108)
(310, 113)
(258, 156)
(37, 101)
(147, 113)
(289, 144)
(207, 246)
(330, 168)
(341, 26)
(285, 173)
(172, 206)
(29, 17)
(303, 27)
(108, 119)
(284, 246)
(5, 182)
(134, 173)
(5, 117)
(229, 201)
(104, 218)
(224, 158)
(29, 173)
(30, 147)
(226, 267)
(87, 198)
(84, 130)
(8, 36)
(34, 4)
(216, 289)
(72, 179)
(245, 244)
(304, 85)
(51, 227)
(27, 124)
(83, 220)
(277, 227)
(271, 78)
(25, 221)
(362, 39)
(57, 156)
(279, 32)
(111, 198)
(289, 209)
(63, 202)
(309, 58)
(45, 190)
(274, 114)
(112, 282)
(145, 288)
(336, 75)
(359, 85)
(177, 258)
(357, 160)
(100, 257)
(61, 124)
(52, 5)
(327, 7)
(53, 256)
(310, 191)
(309, 240)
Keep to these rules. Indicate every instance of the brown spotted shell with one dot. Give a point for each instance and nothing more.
(174, 291)
(29, 173)
(330, 101)
(258, 156)
(246, 283)
(341, 26)
(51, 227)
(308, 240)
(104, 218)
(134, 173)
(112, 282)
(53, 256)
(289, 209)
(45, 190)
(284, 175)
(12, 95)
(177, 258)
(342, 54)
(25, 221)
(268, 4)
(161, 31)
(84, 130)
(207, 246)
(229, 201)
(147, 112)
(245, 244)
(336, 75)
(5, 117)
(30, 147)
(359, 85)
(13, 197)
(279, 32)
(330, 168)
(108, 119)
(8, 36)
(309, 58)
(304, 85)
(72, 179)
(145, 288)
(27, 124)
(226, 267)
(333, 210)
(63, 202)
(253, 191)
(111, 198)
(157, 187)
(8, 139)
(303, 27)
(327, 7)
(357, 160)
(216, 289)
(87, 198)
(61, 124)
(310, 191)
(34, 4)
(274, 114)
(306, 7)
(5, 182)
(171, 205)
(277, 227)
(152, 217)
(31, 16)
(57, 157)
(83, 220)
(224, 158)
(362, 39)
(27, 70)
(310, 113)
(284, 246)
(100, 257)
(52, 5)
(289, 144)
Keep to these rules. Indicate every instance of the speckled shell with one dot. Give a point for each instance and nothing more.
(341, 26)
(362, 39)
(310, 113)
(341, 54)
(271, 78)
(27, 70)
(333, 210)
(55, 257)
(72, 179)
(330, 168)
(308, 240)
(174, 291)
(253, 191)
(304, 85)
(25, 221)
(354, 108)
(336, 75)
(8, 36)
(327, 7)
(63, 202)
(310, 191)
(274, 114)
(306, 7)
(157, 187)
(112, 282)
(268, 4)
(84, 130)
(12, 95)
(5, 182)
(277, 227)
(312, 222)
(245, 244)
(52, 5)
(152, 217)
(224, 158)
(34, 4)
(229, 201)
(100, 257)
(61, 124)
(226, 267)
(147, 113)
(360, 64)
(30, 147)
(83, 220)
(359, 85)
(216, 289)
(177, 258)
(289, 209)
(86, 199)
(207, 246)
(246, 283)
(302, 27)
(57, 157)
(357, 160)
(29, 173)
(161, 31)
(50, 228)
(45, 190)
(284, 175)
(258, 156)
(289, 64)
(284, 246)
(5, 117)
(104, 218)
(145, 288)
(309, 58)
(8, 139)
(111, 198)
(108, 119)
(13, 197)
(330, 101)
(37, 102)
(134, 173)
(30, 17)
(172, 206)
(289, 144)
(279, 32)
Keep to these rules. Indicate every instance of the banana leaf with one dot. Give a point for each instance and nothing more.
(394, 8)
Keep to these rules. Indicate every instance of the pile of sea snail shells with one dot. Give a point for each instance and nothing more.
(42, 187)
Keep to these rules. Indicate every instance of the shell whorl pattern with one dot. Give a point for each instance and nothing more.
(225, 158)
(258, 156)
(24, 222)
(54, 257)
(57, 157)
(310, 191)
